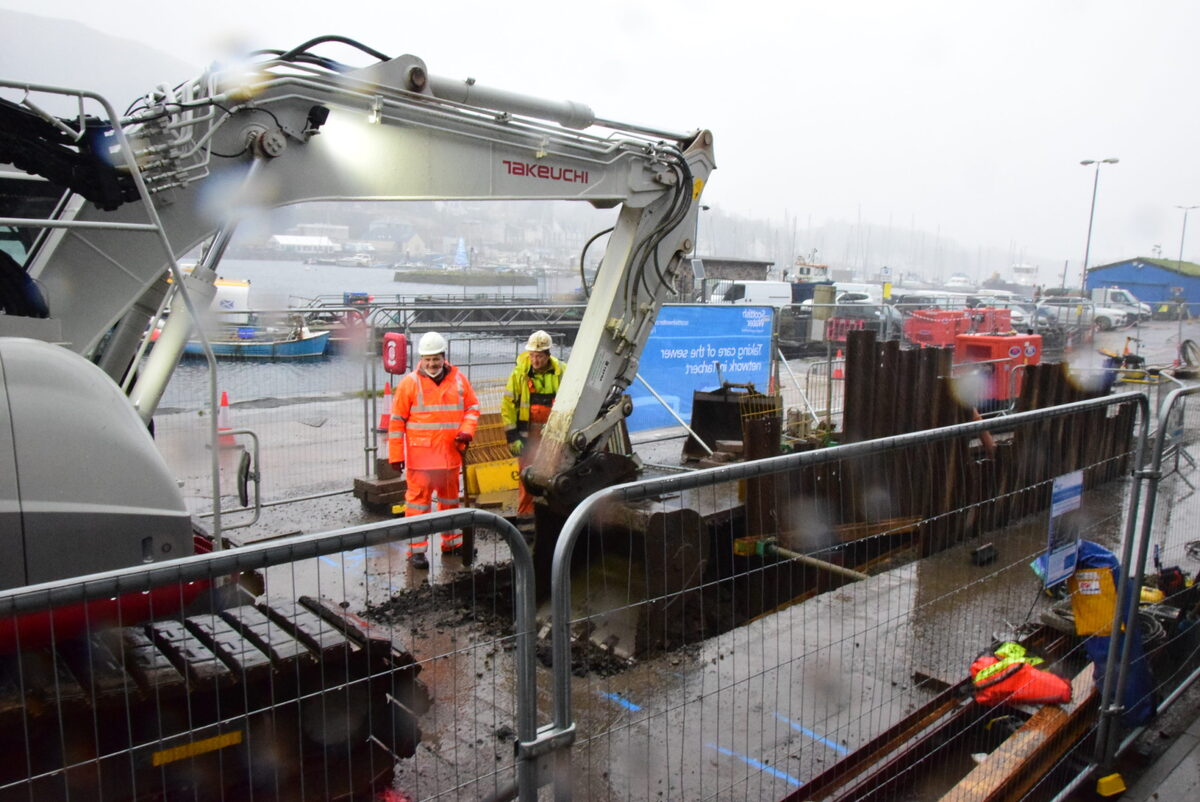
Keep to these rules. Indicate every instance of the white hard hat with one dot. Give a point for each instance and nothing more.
(431, 343)
(538, 341)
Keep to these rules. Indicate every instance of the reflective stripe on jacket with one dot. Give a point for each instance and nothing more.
(528, 396)
(1008, 655)
(1009, 675)
(426, 416)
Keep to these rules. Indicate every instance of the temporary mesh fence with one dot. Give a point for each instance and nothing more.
(317, 419)
(770, 629)
(755, 630)
(335, 670)
(1148, 672)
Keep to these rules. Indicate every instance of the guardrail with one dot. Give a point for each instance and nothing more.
(766, 622)
(785, 664)
(316, 685)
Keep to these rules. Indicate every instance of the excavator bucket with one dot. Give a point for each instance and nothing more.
(716, 416)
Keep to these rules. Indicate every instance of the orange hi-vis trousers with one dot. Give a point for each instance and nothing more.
(418, 500)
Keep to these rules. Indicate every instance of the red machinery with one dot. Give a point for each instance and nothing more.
(940, 327)
(999, 357)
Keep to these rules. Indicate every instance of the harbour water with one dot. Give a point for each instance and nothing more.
(279, 285)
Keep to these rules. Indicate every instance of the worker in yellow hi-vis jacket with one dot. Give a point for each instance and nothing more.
(526, 404)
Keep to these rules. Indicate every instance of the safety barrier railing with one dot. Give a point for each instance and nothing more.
(760, 629)
(746, 631)
(825, 386)
(309, 413)
(465, 317)
(329, 669)
(1146, 673)
(317, 418)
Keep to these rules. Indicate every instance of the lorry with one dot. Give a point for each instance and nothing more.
(123, 198)
(1123, 299)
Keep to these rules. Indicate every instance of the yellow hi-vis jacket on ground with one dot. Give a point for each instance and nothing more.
(427, 415)
(528, 396)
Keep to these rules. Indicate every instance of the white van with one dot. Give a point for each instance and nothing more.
(754, 293)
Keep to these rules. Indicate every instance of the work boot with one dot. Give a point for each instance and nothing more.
(419, 560)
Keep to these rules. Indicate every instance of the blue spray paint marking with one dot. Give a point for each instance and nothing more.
(758, 764)
(348, 558)
(621, 700)
(834, 745)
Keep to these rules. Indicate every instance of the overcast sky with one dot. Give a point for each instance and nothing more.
(962, 117)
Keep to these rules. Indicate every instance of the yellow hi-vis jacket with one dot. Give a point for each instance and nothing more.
(528, 396)
(426, 417)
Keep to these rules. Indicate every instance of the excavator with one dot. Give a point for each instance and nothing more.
(98, 209)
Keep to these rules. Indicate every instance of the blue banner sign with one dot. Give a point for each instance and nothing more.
(696, 348)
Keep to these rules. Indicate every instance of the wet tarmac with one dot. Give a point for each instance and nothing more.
(801, 668)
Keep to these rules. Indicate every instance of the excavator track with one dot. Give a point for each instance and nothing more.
(292, 700)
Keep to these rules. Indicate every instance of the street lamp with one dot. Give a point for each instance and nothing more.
(1183, 233)
(1087, 251)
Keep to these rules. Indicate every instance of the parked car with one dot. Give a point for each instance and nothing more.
(1123, 299)
(1110, 317)
(1075, 311)
(1020, 311)
(884, 319)
(913, 300)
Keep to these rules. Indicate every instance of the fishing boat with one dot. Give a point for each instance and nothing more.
(251, 342)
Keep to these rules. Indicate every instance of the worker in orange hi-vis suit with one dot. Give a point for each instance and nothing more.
(434, 417)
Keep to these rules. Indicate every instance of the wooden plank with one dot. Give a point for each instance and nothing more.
(849, 532)
(860, 767)
(1011, 769)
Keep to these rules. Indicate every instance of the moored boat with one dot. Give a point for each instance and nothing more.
(249, 342)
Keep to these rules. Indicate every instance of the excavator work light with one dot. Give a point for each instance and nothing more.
(317, 116)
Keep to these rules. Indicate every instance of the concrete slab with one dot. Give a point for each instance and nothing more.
(1174, 776)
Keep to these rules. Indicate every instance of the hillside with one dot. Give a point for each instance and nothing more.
(63, 53)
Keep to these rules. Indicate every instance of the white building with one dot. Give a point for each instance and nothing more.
(331, 230)
(295, 243)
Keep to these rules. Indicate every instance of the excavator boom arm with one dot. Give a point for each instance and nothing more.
(314, 131)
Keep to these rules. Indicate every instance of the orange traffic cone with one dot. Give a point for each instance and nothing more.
(838, 373)
(385, 417)
(224, 438)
